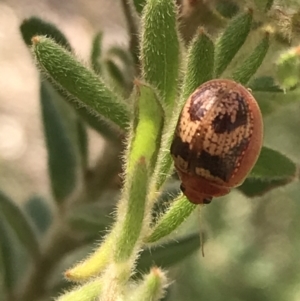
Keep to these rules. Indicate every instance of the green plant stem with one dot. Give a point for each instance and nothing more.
(176, 215)
(129, 228)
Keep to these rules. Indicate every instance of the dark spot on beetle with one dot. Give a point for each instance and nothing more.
(237, 150)
(216, 165)
(197, 107)
(182, 188)
(222, 123)
(222, 167)
(180, 148)
(197, 111)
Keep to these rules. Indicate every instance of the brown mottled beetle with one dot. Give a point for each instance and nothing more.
(217, 140)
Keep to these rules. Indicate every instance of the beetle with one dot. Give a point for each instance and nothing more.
(217, 141)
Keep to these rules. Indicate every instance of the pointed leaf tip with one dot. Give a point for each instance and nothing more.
(251, 64)
(231, 40)
(37, 27)
(200, 63)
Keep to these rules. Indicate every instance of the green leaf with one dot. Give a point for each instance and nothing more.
(89, 291)
(40, 213)
(36, 27)
(139, 5)
(57, 283)
(178, 212)
(200, 63)
(120, 68)
(83, 86)
(116, 73)
(272, 164)
(253, 187)
(227, 8)
(147, 128)
(271, 170)
(62, 161)
(96, 52)
(123, 55)
(20, 224)
(129, 228)
(160, 48)
(171, 190)
(94, 264)
(264, 84)
(16, 260)
(168, 254)
(231, 40)
(251, 64)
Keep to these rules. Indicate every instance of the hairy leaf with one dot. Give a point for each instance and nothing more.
(160, 48)
(200, 63)
(83, 86)
(251, 64)
(231, 41)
